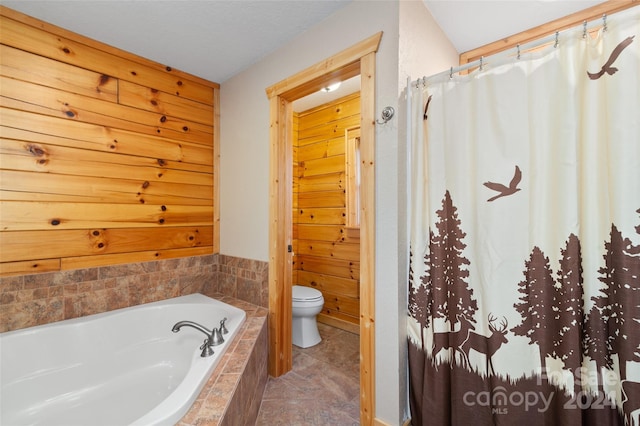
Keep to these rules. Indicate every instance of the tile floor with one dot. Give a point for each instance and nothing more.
(323, 387)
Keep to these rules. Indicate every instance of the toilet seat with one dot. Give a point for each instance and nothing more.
(305, 294)
(306, 304)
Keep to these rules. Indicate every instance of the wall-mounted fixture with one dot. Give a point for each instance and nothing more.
(331, 87)
(387, 114)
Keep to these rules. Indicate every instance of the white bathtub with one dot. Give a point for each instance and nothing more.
(123, 367)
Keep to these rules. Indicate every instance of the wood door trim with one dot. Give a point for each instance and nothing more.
(357, 59)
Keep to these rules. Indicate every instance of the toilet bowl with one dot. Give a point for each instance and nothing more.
(307, 304)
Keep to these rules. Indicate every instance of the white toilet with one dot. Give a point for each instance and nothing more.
(307, 304)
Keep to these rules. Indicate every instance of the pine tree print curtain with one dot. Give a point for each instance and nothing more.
(524, 286)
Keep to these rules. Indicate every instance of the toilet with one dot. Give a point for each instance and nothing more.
(307, 304)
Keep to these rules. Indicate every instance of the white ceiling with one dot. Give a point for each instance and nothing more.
(474, 23)
(213, 39)
(216, 39)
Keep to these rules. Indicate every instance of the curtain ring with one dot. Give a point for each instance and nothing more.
(584, 29)
(557, 41)
(481, 63)
(518, 47)
(451, 73)
(604, 22)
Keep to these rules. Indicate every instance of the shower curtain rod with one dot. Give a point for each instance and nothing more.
(480, 63)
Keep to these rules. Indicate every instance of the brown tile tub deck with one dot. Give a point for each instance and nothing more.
(233, 393)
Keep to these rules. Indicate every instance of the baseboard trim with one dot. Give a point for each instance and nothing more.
(378, 422)
(338, 323)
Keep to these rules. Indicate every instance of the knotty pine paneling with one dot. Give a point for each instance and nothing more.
(71, 161)
(108, 139)
(21, 65)
(84, 149)
(330, 182)
(333, 130)
(321, 149)
(316, 121)
(50, 187)
(338, 303)
(87, 215)
(323, 232)
(321, 199)
(327, 256)
(321, 166)
(321, 216)
(43, 39)
(167, 104)
(330, 284)
(29, 96)
(337, 267)
(343, 250)
(19, 245)
(105, 157)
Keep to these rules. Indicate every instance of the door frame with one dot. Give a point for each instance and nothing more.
(357, 59)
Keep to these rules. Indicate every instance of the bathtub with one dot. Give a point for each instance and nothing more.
(124, 367)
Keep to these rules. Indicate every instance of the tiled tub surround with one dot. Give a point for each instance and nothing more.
(244, 279)
(233, 393)
(28, 300)
(74, 372)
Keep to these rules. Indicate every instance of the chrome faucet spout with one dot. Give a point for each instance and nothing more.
(214, 337)
(195, 325)
(206, 347)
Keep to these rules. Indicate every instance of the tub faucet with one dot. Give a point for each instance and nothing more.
(223, 328)
(214, 337)
(216, 333)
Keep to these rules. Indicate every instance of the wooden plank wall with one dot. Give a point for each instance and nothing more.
(105, 157)
(327, 255)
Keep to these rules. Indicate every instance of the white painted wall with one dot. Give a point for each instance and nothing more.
(244, 179)
(244, 127)
(423, 50)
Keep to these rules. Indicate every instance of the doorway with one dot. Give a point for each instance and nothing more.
(326, 232)
(358, 59)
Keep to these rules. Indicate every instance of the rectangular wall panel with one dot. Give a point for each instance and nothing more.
(105, 157)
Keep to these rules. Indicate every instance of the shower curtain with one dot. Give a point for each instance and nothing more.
(524, 275)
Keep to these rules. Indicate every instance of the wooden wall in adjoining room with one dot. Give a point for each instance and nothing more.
(326, 253)
(105, 157)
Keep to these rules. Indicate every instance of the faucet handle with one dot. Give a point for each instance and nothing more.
(206, 349)
(216, 337)
(223, 328)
